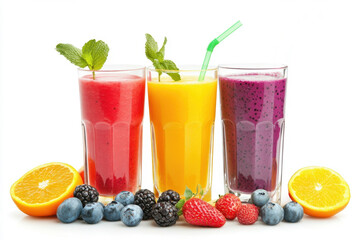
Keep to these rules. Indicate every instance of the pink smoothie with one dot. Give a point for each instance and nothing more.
(112, 113)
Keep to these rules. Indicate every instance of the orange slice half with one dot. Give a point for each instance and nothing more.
(41, 190)
(321, 191)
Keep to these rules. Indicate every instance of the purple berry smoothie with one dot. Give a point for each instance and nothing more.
(252, 108)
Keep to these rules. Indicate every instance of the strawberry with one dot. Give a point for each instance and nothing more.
(248, 214)
(228, 205)
(198, 212)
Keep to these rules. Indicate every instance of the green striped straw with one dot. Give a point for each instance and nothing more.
(212, 45)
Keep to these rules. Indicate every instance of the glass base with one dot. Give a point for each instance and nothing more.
(106, 199)
(275, 196)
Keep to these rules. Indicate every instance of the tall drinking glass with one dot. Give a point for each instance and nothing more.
(112, 107)
(182, 115)
(252, 109)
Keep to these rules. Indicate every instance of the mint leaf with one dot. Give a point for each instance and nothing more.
(170, 65)
(151, 47)
(86, 52)
(158, 66)
(158, 58)
(71, 53)
(100, 54)
(95, 54)
(92, 55)
(161, 53)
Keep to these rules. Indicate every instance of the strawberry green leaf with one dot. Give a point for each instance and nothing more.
(180, 204)
(188, 193)
(179, 213)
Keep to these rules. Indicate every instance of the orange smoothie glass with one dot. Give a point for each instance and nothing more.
(182, 115)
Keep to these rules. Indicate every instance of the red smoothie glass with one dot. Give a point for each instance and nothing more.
(112, 110)
(252, 110)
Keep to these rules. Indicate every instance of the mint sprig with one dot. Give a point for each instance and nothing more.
(92, 55)
(157, 57)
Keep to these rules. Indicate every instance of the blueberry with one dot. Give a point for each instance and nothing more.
(271, 213)
(112, 211)
(260, 197)
(92, 212)
(125, 198)
(293, 212)
(131, 215)
(102, 205)
(69, 210)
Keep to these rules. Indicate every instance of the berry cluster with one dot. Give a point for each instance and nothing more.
(271, 213)
(132, 209)
(129, 208)
(164, 211)
(85, 205)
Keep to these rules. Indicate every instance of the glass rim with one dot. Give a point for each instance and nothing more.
(254, 66)
(184, 68)
(116, 68)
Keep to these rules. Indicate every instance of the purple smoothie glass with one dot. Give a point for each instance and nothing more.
(252, 111)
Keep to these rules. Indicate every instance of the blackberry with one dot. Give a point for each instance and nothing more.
(169, 196)
(86, 194)
(145, 199)
(165, 214)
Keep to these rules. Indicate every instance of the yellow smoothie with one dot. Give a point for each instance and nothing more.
(182, 116)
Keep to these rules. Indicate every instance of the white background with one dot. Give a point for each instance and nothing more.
(40, 111)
